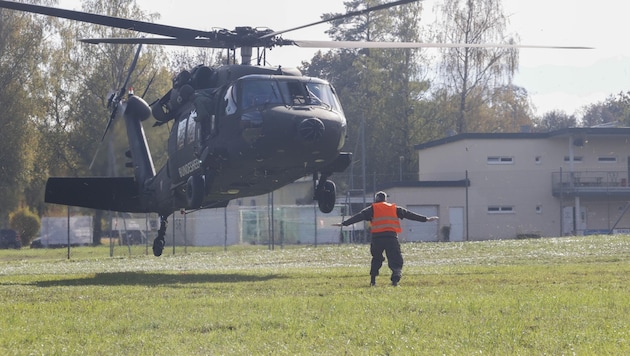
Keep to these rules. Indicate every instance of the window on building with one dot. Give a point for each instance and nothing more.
(500, 209)
(576, 159)
(607, 159)
(500, 160)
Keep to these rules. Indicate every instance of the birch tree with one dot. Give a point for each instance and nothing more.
(474, 73)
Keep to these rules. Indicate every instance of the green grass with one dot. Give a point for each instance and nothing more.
(515, 297)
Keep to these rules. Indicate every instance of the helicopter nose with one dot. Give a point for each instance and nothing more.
(311, 129)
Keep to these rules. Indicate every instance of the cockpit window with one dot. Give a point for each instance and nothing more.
(323, 94)
(294, 93)
(298, 93)
(280, 91)
(260, 92)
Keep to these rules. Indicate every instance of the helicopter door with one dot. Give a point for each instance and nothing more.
(184, 146)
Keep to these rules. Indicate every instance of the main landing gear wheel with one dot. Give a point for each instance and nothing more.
(326, 196)
(194, 191)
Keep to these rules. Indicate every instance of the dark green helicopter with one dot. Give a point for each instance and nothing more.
(238, 130)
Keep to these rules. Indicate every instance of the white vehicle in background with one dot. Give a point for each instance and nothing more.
(56, 233)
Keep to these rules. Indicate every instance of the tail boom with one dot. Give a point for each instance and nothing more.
(103, 193)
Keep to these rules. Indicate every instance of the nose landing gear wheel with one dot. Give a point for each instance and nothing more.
(326, 196)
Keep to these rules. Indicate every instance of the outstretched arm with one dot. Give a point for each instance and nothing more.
(365, 214)
(406, 214)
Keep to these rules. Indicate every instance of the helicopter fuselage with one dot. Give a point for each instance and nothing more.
(249, 137)
(237, 131)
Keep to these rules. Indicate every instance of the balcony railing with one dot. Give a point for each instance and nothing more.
(590, 183)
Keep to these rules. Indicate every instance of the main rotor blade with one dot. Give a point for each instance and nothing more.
(356, 44)
(185, 42)
(221, 39)
(117, 22)
(208, 43)
(348, 14)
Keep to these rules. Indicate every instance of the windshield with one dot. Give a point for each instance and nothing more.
(259, 92)
(297, 93)
(286, 91)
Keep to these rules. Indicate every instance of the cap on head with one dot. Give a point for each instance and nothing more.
(380, 197)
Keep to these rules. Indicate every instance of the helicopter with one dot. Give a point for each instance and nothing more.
(238, 130)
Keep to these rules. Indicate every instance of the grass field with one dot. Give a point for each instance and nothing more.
(555, 296)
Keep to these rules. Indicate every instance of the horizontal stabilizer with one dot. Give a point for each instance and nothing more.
(103, 193)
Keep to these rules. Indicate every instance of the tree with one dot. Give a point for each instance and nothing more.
(615, 109)
(555, 120)
(508, 109)
(377, 87)
(474, 73)
(189, 58)
(21, 51)
(81, 80)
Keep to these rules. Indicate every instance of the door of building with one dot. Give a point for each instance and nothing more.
(456, 220)
(571, 225)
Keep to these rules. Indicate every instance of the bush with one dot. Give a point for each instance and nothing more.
(26, 223)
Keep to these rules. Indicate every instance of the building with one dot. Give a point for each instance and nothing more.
(511, 185)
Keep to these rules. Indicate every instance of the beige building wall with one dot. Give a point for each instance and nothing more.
(510, 192)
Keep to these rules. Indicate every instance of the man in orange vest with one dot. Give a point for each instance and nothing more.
(385, 221)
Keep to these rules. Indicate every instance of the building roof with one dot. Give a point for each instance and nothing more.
(574, 131)
(426, 184)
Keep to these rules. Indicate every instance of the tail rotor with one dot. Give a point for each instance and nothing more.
(113, 102)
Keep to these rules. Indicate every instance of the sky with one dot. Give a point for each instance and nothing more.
(565, 80)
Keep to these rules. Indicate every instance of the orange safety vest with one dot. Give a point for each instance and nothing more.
(385, 218)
